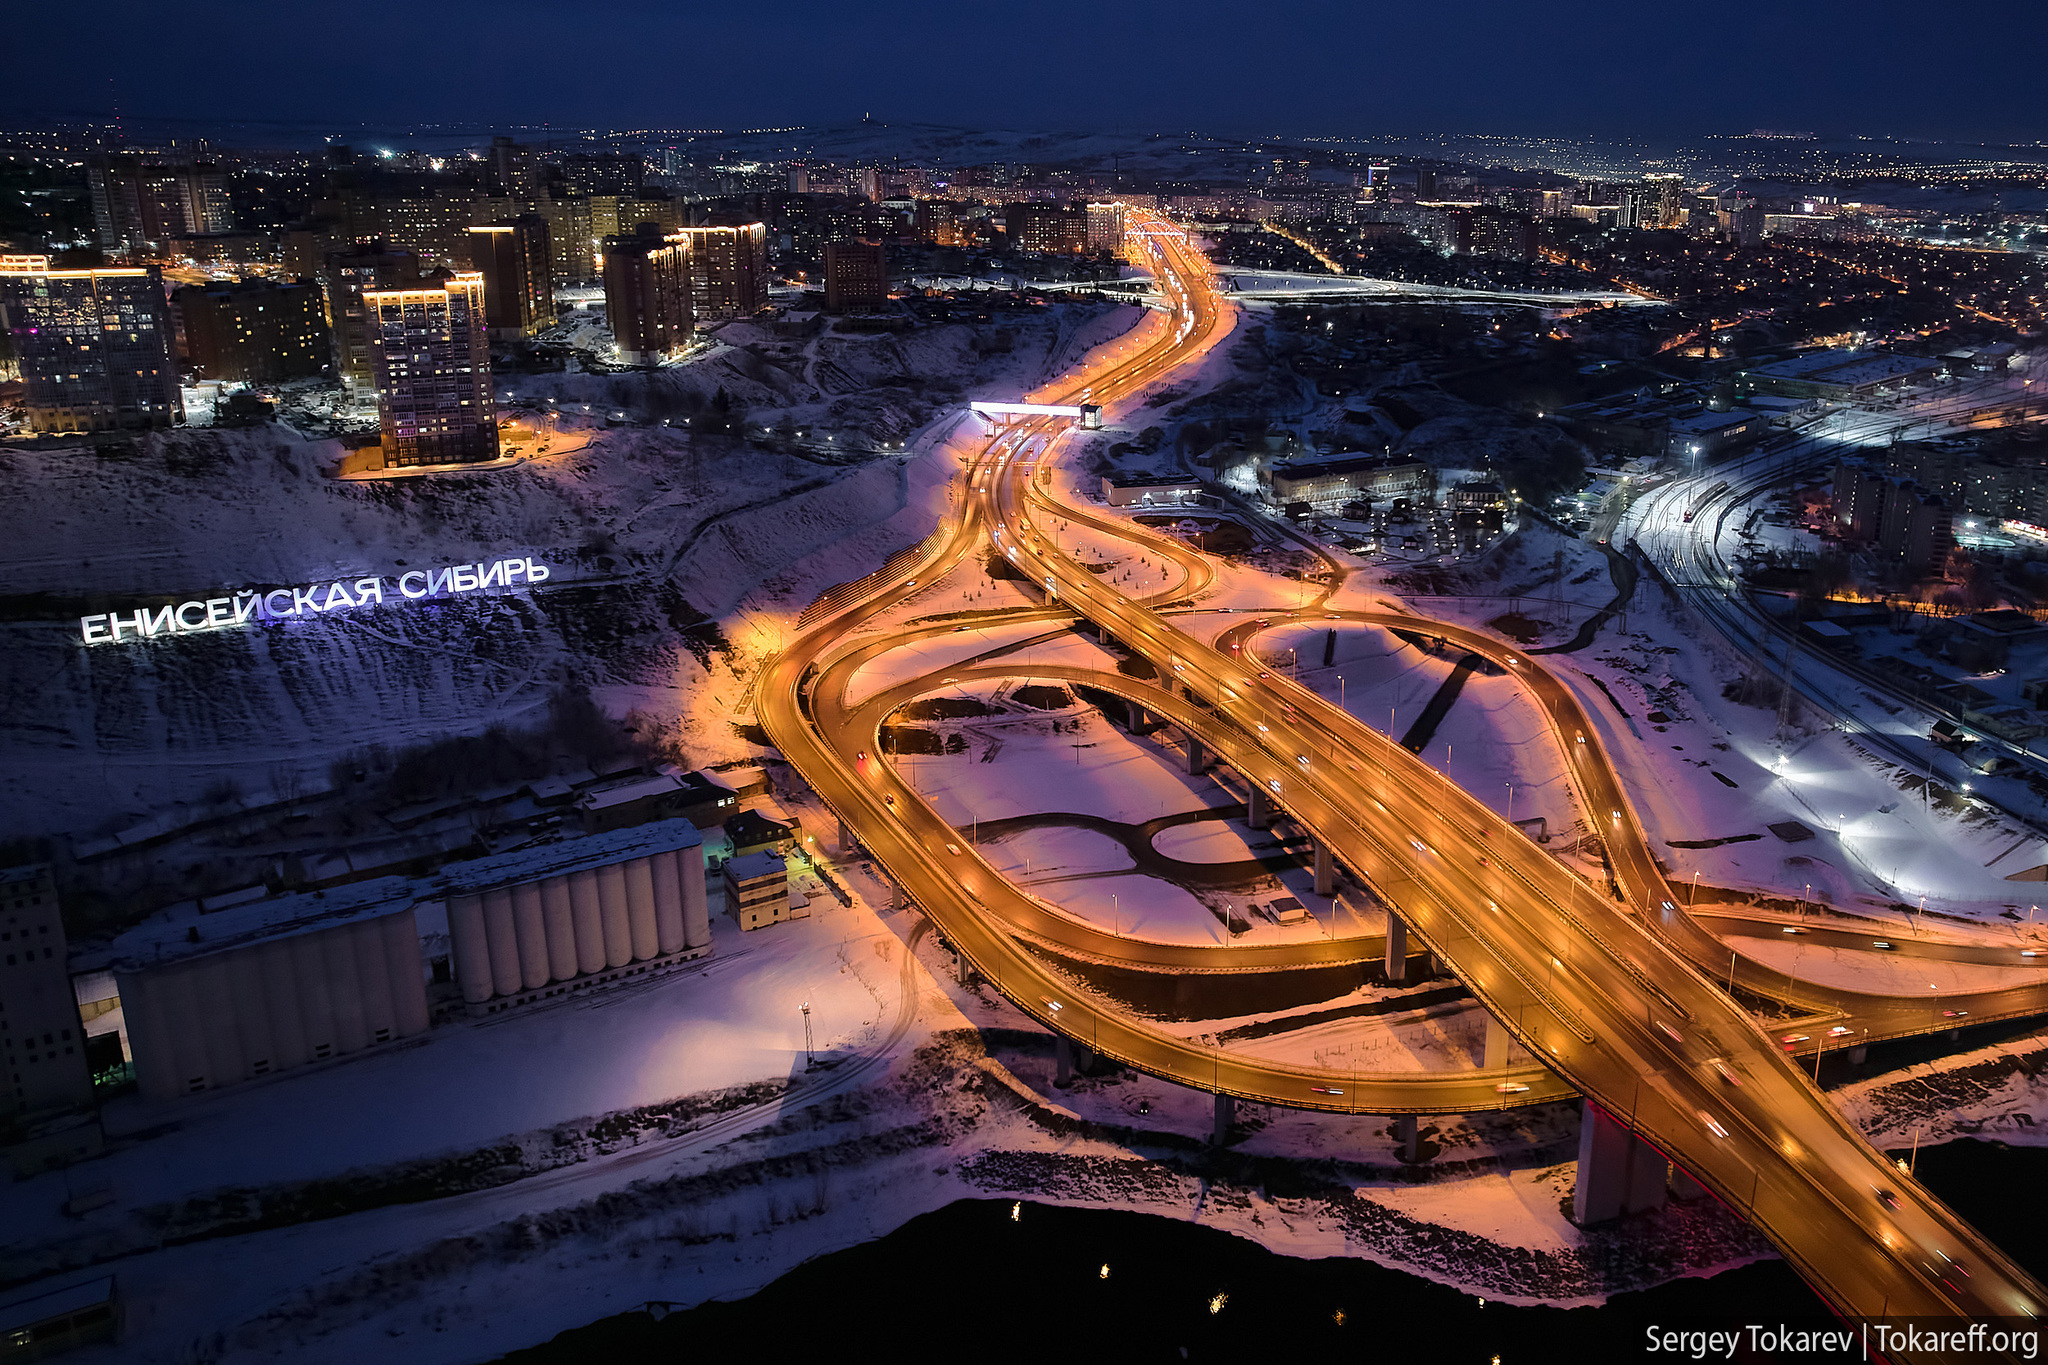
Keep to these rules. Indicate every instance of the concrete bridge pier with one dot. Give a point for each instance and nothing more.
(1408, 1139)
(1141, 721)
(1499, 1044)
(1618, 1172)
(1259, 810)
(1063, 1061)
(1397, 949)
(1858, 1055)
(848, 844)
(1326, 870)
(1199, 757)
(1226, 1114)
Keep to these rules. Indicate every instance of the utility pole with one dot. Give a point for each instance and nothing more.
(1785, 688)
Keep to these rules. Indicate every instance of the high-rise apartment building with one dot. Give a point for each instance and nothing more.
(519, 292)
(139, 204)
(620, 215)
(516, 170)
(604, 172)
(430, 358)
(436, 226)
(1105, 227)
(937, 221)
(572, 243)
(1047, 229)
(728, 271)
(647, 295)
(1742, 225)
(1494, 233)
(42, 1041)
(856, 275)
(94, 346)
(1668, 190)
(254, 332)
(345, 275)
(1902, 519)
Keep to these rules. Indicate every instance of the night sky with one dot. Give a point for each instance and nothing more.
(1565, 67)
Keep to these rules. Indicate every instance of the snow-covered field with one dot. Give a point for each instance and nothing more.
(1072, 760)
(1493, 742)
(1037, 768)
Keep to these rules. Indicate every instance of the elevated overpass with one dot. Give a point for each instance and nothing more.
(1604, 991)
(1277, 286)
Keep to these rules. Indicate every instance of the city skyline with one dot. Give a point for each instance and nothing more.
(667, 730)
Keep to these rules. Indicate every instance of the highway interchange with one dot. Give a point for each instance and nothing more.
(1618, 994)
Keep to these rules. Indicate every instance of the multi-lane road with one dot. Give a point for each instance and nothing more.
(1607, 992)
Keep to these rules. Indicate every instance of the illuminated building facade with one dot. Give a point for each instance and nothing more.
(647, 295)
(345, 275)
(1047, 229)
(1494, 233)
(430, 359)
(620, 215)
(572, 243)
(1668, 191)
(515, 258)
(1105, 227)
(254, 332)
(604, 172)
(94, 346)
(728, 271)
(139, 205)
(937, 221)
(516, 169)
(856, 275)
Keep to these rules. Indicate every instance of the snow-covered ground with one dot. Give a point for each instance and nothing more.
(556, 1236)
(1872, 970)
(1493, 741)
(1038, 768)
(733, 1020)
(1999, 1091)
(1071, 760)
(1700, 767)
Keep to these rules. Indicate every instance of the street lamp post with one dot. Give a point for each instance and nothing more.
(809, 1060)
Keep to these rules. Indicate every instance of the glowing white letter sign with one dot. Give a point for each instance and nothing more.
(276, 604)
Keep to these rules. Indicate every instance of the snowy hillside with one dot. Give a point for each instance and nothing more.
(654, 541)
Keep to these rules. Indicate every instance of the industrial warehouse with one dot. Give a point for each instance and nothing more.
(277, 983)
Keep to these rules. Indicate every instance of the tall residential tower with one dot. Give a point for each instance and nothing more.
(430, 358)
(94, 345)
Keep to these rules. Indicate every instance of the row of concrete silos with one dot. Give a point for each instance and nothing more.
(224, 1017)
(510, 939)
